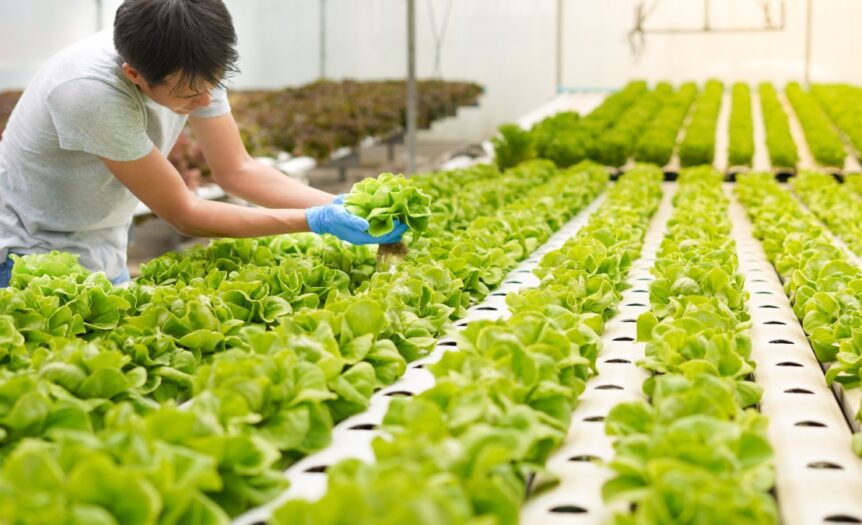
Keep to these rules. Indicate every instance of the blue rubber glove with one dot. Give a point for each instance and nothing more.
(336, 220)
(339, 199)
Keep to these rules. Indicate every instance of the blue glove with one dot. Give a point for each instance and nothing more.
(336, 220)
(339, 199)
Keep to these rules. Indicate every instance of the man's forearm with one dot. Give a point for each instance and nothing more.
(268, 187)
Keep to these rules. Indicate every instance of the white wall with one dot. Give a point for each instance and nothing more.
(507, 45)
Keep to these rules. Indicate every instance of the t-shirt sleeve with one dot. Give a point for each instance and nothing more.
(219, 105)
(96, 118)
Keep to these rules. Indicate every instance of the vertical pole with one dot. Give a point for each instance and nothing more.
(99, 16)
(411, 86)
(808, 44)
(559, 45)
(706, 15)
(322, 60)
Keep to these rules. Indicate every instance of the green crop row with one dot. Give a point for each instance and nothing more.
(658, 140)
(617, 144)
(741, 129)
(843, 103)
(824, 286)
(697, 452)
(833, 203)
(461, 452)
(564, 138)
(779, 141)
(698, 146)
(92, 375)
(823, 140)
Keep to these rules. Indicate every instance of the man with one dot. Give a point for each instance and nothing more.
(90, 135)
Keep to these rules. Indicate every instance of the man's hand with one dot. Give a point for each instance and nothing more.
(336, 220)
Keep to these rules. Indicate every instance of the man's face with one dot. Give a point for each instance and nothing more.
(174, 93)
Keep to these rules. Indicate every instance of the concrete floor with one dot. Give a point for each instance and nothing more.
(152, 237)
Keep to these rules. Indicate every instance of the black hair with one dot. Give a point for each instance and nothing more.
(193, 37)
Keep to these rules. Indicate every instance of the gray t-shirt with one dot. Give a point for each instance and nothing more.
(55, 191)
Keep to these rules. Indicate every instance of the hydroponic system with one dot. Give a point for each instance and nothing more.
(630, 306)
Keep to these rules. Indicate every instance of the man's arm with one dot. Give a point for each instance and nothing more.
(158, 185)
(242, 176)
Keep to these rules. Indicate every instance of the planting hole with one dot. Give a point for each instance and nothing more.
(486, 309)
(825, 465)
(798, 391)
(763, 292)
(585, 458)
(810, 424)
(618, 361)
(568, 509)
(780, 342)
(594, 419)
(841, 518)
(499, 294)
(630, 320)
(399, 393)
(319, 469)
(759, 281)
(789, 363)
(513, 282)
(609, 387)
(778, 323)
(419, 366)
(462, 324)
(447, 343)
(636, 304)
(640, 291)
(624, 338)
(771, 306)
(363, 426)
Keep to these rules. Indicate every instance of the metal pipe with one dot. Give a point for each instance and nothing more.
(100, 19)
(559, 45)
(411, 86)
(322, 64)
(808, 30)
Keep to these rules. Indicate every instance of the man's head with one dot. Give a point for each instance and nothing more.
(175, 51)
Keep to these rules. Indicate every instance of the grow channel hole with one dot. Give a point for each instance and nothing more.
(487, 309)
(629, 320)
(363, 426)
(317, 469)
(780, 342)
(584, 458)
(636, 304)
(609, 387)
(825, 465)
(399, 393)
(772, 306)
(568, 509)
(798, 391)
(789, 363)
(624, 338)
(618, 361)
(778, 323)
(594, 419)
(810, 424)
(841, 518)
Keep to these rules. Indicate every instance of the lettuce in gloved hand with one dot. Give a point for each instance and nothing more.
(387, 199)
(386, 202)
(336, 220)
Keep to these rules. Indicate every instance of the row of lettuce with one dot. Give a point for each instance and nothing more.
(823, 283)
(462, 452)
(651, 125)
(697, 450)
(182, 398)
